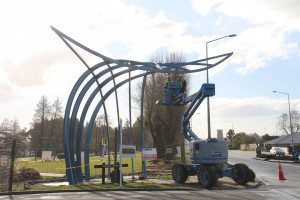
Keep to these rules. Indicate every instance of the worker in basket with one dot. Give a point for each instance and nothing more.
(166, 83)
(182, 82)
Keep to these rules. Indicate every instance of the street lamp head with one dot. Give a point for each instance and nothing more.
(281, 92)
(232, 35)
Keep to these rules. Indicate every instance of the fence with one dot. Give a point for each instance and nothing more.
(4, 178)
(248, 147)
(6, 166)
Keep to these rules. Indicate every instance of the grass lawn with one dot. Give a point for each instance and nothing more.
(58, 166)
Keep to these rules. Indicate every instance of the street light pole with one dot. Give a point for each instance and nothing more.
(290, 116)
(207, 79)
(231, 124)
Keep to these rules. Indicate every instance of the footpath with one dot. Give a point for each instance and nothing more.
(225, 183)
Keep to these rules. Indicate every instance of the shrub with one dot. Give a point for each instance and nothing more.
(28, 174)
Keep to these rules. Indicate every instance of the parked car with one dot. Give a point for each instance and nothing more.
(277, 151)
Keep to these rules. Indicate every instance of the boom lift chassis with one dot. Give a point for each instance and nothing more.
(209, 158)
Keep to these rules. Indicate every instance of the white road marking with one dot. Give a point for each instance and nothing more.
(262, 180)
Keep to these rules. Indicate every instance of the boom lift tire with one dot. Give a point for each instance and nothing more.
(179, 173)
(242, 174)
(251, 175)
(207, 176)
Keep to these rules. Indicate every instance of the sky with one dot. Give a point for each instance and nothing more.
(266, 53)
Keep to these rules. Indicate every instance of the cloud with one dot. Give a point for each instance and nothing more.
(256, 47)
(266, 38)
(32, 71)
(251, 107)
(203, 7)
(136, 31)
(33, 54)
(32, 49)
(250, 115)
(6, 92)
(283, 12)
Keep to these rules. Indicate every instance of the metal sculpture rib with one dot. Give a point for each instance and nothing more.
(107, 67)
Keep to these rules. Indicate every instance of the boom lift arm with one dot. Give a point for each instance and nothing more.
(206, 90)
(174, 98)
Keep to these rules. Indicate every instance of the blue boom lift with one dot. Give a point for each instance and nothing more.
(209, 158)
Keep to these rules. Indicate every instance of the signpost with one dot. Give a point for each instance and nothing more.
(121, 138)
(47, 155)
(128, 151)
(149, 154)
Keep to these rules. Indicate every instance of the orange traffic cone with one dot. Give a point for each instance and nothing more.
(280, 173)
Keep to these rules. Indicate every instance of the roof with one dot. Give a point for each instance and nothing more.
(286, 139)
(256, 136)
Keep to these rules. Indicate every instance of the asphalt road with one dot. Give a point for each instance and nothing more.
(267, 172)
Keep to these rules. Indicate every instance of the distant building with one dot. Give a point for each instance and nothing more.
(286, 141)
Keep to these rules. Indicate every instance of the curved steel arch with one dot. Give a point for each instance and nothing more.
(75, 100)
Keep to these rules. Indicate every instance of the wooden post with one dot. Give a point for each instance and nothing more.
(116, 168)
(116, 154)
(116, 146)
(121, 143)
(103, 173)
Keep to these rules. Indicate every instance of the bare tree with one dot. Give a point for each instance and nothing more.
(4, 129)
(295, 121)
(284, 122)
(99, 136)
(163, 122)
(9, 130)
(41, 116)
(56, 113)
